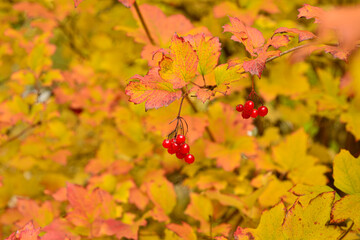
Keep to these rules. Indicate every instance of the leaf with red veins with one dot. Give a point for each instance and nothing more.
(249, 36)
(127, 3)
(303, 34)
(151, 89)
(309, 12)
(184, 231)
(208, 50)
(27, 232)
(257, 65)
(180, 67)
(278, 41)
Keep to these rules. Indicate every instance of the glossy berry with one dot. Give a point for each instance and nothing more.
(249, 105)
(179, 155)
(240, 108)
(180, 139)
(189, 158)
(171, 150)
(254, 113)
(184, 148)
(166, 143)
(262, 111)
(175, 146)
(245, 115)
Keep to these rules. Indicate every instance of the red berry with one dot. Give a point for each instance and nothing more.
(179, 155)
(189, 158)
(249, 105)
(262, 111)
(166, 143)
(175, 146)
(171, 150)
(180, 139)
(240, 108)
(185, 148)
(172, 140)
(245, 115)
(254, 113)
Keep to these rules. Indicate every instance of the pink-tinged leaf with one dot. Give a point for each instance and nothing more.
(59, 229)
(202, 94)
(77, 2)
(27, 232)
(180, 66)
(338, 52)
(184, 231)
(257, 65)
(61, 156)
(160, 26)
(309, 12)
(127, 3)
(152, 89)
(303, 35)
(119, 229)
(278, 41)
(208, 50)
(138, 198)
(250, 37)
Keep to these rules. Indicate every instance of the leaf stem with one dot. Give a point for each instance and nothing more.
(20, 134)
(143, 23)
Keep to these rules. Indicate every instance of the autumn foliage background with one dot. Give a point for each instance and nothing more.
(80, 161)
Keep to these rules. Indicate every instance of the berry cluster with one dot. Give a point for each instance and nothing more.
(178, 146)
(248, 110)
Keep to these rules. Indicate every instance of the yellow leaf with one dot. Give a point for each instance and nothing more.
(346, 172)
(347, 208)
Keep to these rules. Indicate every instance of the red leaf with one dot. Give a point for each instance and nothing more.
(250, 37)
(338, 52)
(303, 35)
(127, 3)
(151, 89)
(278, 41)
(309, 11)
(27, 232)
(257, 66)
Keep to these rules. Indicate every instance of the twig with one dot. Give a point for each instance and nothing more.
(143, 23)
(20, 134)
(346, 232)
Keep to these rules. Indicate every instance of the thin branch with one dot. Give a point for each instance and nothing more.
(203, 77)
(181, 103)
(143, 23)
(287, 51)
(19, 134)
(346, 232)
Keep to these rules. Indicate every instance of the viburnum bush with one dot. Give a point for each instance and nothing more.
(179, 120)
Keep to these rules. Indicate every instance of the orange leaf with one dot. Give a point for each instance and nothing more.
(180, 66)
(184, 230)
(152, 89)
(278, 41)
(27, 232)
(257, 66)
(309, 11)
(250, 37)
(303, 35)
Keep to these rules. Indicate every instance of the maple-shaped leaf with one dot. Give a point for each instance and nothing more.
(27, 232)
(249, 36)
(180, 66)
(303, 34)
(184, 230)
(347, 208)
(346, 172)
(152, 89)
(127, 3)
(257, 65)
(309, 12)
(308, 192)
(301, 222)
(269, 228)
(208, 50)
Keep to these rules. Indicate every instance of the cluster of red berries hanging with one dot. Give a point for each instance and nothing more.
(178, 146)
(248, 110)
